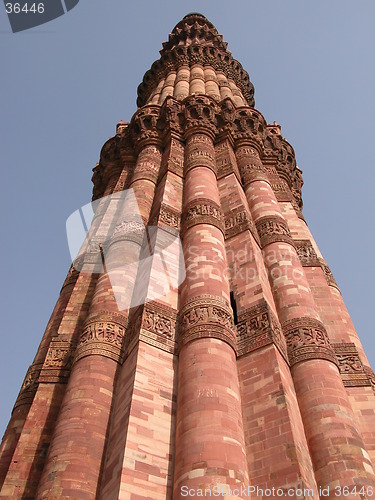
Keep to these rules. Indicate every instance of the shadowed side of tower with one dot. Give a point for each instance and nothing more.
(248, 376)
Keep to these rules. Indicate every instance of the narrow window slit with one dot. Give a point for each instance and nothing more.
(234, 307)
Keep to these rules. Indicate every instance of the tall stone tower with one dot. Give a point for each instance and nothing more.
(250, 374)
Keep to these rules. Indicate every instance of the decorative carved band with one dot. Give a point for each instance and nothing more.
(102, 334)
(350, 365)
(251, 169)
(307, 338)
(154, 324)
(298, 209)
(58, 362)
(328, 274)
(29, 387)
(250, 165)
(146, 128)
(128, 231)
(148, 164)
(200, 117)
(199, 158)
(306, 253)
(236, 221)
(158, 327)
(371, 376)
(199, 152)
(246, 151)
(258, 327)
(282, 191)
(225, 158)
(133, 330)
(72, 276)
(239, 220)
(169, 217)
(273, 229)
(207, 316)
(249, 128)
(173, 157)
(202, 211)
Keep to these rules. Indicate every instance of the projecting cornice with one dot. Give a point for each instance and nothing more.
(195, 41)
(245, 127)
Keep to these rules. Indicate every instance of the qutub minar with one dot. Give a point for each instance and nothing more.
(250, 374)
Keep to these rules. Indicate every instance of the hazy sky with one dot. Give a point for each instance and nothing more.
(67, 83)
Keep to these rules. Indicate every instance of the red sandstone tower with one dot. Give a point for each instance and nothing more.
(251, 374)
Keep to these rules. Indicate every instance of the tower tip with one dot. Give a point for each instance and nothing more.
(194, 14)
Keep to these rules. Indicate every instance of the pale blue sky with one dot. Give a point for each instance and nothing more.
(66, 84)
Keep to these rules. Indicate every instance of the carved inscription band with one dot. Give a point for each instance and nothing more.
(351, 368)
(167, 217)
(200, 152)
(207, 316)
(203, 211)
(58, 362)
(273, 229)
(102, 334)
(306, 253)
(29, 387)
(328, 274)
(258, 327)
(158, 326)
(307, 338)
(309, 258)
(239, 220)
(128, 231)
(250, 165)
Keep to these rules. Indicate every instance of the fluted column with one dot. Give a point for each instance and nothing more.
(209, 432)
(83, 425)
(335, 445)
(30, 384)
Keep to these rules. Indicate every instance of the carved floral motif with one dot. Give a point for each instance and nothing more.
(155, 324)
(155, 321)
